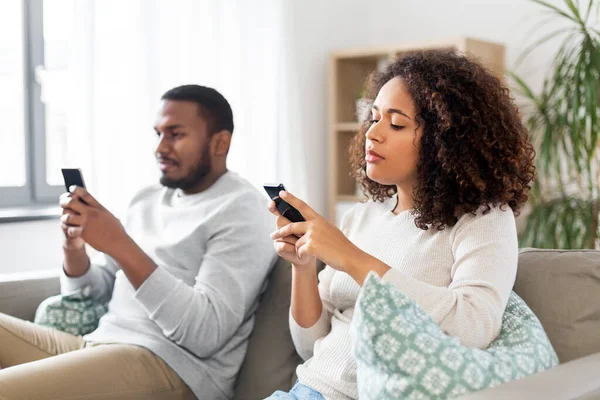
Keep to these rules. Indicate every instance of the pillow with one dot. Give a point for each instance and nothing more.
(402, 353)
(75, 313)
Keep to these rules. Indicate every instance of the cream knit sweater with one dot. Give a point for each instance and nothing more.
(461, 276)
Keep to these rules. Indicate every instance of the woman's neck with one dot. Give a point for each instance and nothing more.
(405, 198)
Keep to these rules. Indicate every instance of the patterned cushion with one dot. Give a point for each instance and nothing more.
(403, 354)
(75, 313)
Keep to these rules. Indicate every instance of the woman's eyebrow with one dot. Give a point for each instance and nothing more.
(393, 111)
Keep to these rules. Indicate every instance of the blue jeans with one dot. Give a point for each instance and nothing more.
(298, 392)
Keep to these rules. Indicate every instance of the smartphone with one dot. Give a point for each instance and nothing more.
(72, 176)
(284, 208)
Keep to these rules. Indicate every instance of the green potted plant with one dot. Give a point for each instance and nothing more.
(563, 120)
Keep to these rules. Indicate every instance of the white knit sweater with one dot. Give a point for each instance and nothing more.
(461, 276)
(196, 310)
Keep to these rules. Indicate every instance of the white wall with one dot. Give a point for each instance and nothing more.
(319, 27)
(315, 28)
(27, 246)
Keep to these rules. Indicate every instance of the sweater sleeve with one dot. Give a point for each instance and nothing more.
(485, 251)
(203, 317)
(100, 276)
(304, 338)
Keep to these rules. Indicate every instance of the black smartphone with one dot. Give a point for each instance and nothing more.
(284, 208)
(72, 177)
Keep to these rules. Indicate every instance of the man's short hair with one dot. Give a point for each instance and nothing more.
(212, 105)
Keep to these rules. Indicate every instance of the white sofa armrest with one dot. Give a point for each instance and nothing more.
(20, 294)
(577, 379)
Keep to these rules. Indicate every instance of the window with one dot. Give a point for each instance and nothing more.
(53, 77)
(13, 168)
(34, 60)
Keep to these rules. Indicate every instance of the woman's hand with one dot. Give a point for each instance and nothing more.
(302, 242)
(286, 246)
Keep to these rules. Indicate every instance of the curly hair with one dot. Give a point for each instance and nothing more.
(474, 150)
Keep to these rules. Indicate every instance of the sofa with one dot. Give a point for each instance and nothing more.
(562, 287)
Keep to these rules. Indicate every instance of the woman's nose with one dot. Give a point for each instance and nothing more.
(374, 134)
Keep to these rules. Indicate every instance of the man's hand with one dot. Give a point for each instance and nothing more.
(94, 224)
(90, 222)
(71, 242)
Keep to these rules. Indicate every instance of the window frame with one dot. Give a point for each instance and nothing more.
(36, 191)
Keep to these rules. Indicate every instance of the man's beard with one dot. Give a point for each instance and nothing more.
(195, 177)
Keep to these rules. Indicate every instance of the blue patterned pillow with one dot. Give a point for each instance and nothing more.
(75, 313)
(403, 354)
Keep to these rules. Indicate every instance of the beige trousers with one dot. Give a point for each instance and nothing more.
(42, 363)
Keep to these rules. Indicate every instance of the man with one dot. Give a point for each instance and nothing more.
(183, 276)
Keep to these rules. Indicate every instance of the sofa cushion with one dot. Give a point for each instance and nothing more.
(271, 360)
(20, 294)
(562, 287)
(402, 353)
(75, 313)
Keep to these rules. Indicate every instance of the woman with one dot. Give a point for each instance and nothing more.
(445, 160)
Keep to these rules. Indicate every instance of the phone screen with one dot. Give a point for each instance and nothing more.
(284, 208)
(72, 177)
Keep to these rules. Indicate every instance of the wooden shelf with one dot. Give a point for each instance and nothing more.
(347, 126)
(348, 71)
(459, 43)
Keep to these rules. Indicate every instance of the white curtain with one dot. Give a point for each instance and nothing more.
(126, 54)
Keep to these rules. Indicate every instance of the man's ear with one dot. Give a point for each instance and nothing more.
(222, 142)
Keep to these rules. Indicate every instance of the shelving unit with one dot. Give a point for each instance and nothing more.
(348, 71)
